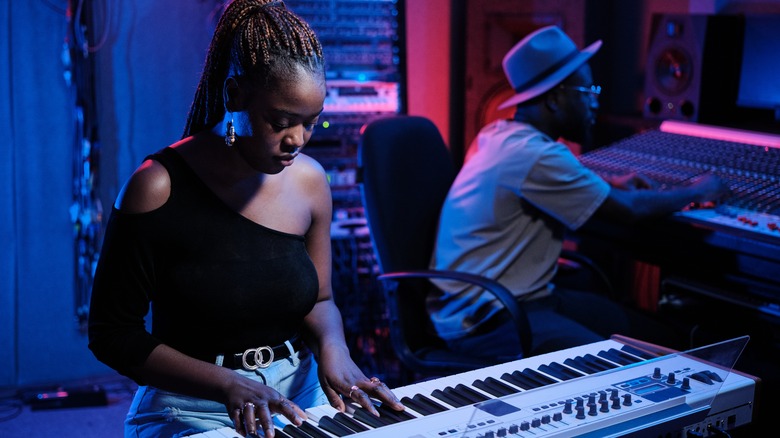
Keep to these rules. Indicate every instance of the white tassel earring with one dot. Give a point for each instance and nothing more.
(230, 132)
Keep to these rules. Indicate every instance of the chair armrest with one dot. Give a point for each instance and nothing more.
(507, 299)
(587, 263)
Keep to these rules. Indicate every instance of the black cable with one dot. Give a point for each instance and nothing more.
(716, 431)
(10, 409)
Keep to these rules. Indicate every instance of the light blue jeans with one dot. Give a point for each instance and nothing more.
(155, 413)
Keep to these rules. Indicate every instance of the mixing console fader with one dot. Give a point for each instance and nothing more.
(677, 153)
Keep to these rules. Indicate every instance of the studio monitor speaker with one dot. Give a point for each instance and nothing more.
(693, 66)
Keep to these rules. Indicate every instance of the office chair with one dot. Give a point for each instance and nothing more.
(406, 173)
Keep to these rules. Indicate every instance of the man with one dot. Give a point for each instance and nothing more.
(519, 191)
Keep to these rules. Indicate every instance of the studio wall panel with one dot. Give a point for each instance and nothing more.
(492, 28)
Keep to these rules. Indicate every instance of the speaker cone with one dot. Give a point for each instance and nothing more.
(673, 71)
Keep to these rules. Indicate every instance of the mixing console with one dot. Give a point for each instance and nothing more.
(750, 164)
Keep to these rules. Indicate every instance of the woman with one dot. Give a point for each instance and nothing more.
(226, 235)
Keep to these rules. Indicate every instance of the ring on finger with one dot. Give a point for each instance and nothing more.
(249, 405)
(375, 380)
(353, 389)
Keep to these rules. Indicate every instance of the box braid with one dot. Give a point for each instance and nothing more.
(259, 39)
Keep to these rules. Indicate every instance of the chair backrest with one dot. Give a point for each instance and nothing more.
(406, 173)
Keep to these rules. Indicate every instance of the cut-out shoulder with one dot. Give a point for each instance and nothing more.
(147, 189)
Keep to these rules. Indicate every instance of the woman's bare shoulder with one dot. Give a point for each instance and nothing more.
(147, 189)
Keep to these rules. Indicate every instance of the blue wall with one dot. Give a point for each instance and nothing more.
(147, 71)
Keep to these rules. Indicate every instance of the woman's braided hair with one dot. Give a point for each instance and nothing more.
(258, 39)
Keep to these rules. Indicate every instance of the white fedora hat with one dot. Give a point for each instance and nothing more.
(542, 60)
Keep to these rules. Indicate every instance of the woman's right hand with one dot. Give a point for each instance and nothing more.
(252, 404)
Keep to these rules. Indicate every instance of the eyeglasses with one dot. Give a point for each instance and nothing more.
(593, 90)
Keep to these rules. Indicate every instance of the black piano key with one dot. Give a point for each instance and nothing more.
(474, 394)
(637, 352)
(467, 393)
(396, 416)
(312, 430)
(349, 422)
(553, 372)
(494, 387)
(279, 433)
(613, 357)
(334, 427)
(519, 380)
(539, 377)
(597, 361)
(416, 406)
(582, 365)
(295, 432)
(450, 399)
(566, 370)
(627, 356)
(619, 356)
(370, 419)
(429, 402)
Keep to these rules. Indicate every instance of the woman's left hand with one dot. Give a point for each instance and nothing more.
(343, 381)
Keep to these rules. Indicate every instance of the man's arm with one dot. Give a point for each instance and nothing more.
(633, 202)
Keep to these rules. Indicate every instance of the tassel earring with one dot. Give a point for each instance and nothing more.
(230, 132)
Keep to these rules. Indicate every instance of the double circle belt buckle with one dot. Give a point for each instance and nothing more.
(257, 354)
